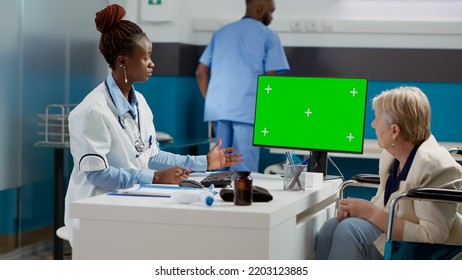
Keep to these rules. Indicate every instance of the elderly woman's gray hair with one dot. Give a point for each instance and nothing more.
(407, 107)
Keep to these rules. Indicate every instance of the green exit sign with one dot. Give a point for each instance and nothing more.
(155, 2)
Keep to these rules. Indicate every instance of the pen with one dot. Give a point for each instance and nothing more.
(150, 141)
(306, 161)
(141, 194)
(296, 175)
(289, 158)
(294, 170)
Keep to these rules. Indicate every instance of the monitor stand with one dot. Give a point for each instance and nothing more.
(318, 163)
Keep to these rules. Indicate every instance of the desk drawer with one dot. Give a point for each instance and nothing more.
(306, 231)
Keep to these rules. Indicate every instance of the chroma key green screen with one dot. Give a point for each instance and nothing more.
(311, 113)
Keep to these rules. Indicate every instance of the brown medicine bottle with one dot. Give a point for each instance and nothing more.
(243, 188)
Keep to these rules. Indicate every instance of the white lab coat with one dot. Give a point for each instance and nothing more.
(97, 140)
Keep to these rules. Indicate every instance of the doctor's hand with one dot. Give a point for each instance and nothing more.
(219, 158)
(171, 175)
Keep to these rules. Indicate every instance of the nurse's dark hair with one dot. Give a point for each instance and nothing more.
(118, 36)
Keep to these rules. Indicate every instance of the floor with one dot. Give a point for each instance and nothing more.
(39, 251)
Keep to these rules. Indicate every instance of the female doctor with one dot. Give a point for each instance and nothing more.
(112, 135)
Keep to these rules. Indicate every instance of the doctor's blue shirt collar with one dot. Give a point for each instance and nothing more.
(120, 102)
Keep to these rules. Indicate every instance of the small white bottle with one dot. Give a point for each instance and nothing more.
(192, 196)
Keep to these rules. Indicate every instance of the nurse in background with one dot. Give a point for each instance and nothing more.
(112, 135)
(227, 76)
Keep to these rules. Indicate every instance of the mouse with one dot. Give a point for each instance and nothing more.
(190, 184)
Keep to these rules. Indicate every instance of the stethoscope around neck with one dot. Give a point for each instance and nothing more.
(140, 145)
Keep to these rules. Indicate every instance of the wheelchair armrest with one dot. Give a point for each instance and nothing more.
(429, 194)
(367, 178)
(364, 181)
(436, 194)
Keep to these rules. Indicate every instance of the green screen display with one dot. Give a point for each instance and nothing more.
(318, 114)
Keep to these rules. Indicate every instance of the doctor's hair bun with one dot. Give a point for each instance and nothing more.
(109, 16)
(118, 36)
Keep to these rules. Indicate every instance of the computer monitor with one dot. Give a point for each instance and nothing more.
(319, 114)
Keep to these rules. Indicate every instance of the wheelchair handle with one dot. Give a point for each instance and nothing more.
(455, 150)
(433, 194)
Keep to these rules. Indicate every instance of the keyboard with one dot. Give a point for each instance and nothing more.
(219, 179)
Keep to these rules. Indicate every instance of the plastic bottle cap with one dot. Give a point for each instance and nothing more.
(208, 200)
(243, 173)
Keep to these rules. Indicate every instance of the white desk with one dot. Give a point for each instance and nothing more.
(124, 227)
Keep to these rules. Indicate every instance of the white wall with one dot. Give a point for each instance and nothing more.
(326, 23)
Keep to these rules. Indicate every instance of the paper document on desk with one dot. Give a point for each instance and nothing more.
(155, 190)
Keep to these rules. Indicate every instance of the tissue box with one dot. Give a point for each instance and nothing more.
(313, 179)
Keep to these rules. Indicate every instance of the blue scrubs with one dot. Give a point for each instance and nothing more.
(236, 55)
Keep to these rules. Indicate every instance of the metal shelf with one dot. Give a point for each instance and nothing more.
(55, 124)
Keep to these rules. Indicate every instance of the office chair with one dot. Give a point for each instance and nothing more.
(62, 234)
(365, 186)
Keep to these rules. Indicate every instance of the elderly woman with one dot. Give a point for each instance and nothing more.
(411, 159)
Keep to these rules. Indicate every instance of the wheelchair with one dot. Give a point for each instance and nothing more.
(365, 185)
(417, 250)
